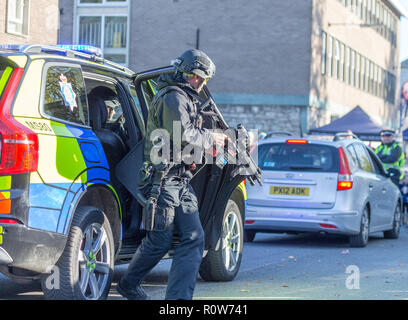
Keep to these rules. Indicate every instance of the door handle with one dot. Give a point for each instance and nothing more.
(370, 186)
(384, 190)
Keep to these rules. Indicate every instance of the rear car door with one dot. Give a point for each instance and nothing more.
(373, 183)
(388, 201)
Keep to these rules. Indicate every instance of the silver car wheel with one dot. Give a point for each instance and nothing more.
(365, 225)
(231, 241)
(397, 218)
(94, 262)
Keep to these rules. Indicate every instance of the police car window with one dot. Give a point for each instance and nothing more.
(137, 107)
(363, 157)
(115, 119)
(65, 95)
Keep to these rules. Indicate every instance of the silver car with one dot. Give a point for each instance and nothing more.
(337, 187)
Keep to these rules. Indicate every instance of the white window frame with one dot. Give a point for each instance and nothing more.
(24, 20)
(103, 17)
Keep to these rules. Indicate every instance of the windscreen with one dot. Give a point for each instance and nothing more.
(298, 157)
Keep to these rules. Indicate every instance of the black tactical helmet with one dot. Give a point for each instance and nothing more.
(195, 61)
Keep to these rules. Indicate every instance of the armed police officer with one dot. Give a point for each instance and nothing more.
(391, 155)
(172, 204)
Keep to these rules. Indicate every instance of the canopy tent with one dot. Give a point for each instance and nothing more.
(357, 121)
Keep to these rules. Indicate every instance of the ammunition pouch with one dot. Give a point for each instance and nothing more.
(156, 218)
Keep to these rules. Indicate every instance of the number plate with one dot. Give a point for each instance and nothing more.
(289, 191)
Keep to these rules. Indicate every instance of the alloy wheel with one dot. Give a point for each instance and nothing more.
(94, 262)
(231, 241)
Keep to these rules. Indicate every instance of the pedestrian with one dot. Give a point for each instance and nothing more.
(391, 155)
(177, 209)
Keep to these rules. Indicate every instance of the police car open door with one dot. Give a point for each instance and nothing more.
(215, 181)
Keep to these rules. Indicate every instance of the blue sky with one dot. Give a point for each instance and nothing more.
(404, 34)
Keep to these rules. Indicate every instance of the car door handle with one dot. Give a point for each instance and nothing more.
(370, 186)
(384, 190)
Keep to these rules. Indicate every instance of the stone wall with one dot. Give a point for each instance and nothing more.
(263, 118)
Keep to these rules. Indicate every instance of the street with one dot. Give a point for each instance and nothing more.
(287, 267)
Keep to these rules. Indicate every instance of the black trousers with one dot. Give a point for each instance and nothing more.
(177, 193)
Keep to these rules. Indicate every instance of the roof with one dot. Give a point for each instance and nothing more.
(357, 121)
(64, 52)
(397, 5)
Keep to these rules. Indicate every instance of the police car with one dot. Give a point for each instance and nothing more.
(68, 118)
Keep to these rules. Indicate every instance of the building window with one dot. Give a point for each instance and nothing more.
(367, 80)
(110, 33)
(347, 73)
(90, 31)
(336, 59)
(375, 90)
(342, 62)
(324, 52)
(18, 16)
(353, 64)
(357, 71)
(330, 57)
(362, 73)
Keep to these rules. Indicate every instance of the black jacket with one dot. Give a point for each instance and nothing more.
(176, 100)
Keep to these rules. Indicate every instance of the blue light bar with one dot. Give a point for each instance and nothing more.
(83, 48)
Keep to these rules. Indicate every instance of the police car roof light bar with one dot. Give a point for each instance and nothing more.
(79, 51)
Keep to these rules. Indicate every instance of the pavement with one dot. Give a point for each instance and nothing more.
(287, 267)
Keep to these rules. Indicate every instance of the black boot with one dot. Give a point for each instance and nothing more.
(131, 292)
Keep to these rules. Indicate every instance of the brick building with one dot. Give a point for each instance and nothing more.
(29, 21)
(281, 65)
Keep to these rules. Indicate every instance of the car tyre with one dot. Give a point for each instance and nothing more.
(223, 264)
(361, 240)
(249, 235)
(85, 269)
(396, 225)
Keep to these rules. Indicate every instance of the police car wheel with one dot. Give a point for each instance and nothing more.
(396, 225)
(85, 268)
(223, 264)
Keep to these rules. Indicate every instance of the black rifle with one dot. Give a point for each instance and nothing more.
(240, 149)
